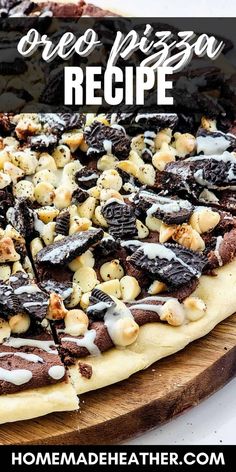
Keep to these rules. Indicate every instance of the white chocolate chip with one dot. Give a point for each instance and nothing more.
(143, 231)
(130, 288)
(111, 270)
(156, 287)
(204, 220)
(86, 278)
(111, 287)
(125, 332)
(19, 323)
(76, 322)
(110, 179)
(173, 313)
(85, 260)
(195, 308)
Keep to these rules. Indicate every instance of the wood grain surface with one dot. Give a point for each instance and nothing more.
(147, 399)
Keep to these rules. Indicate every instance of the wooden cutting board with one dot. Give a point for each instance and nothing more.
(147, 399)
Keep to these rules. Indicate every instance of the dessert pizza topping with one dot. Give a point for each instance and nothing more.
(156, 121)
(103, 139)
(170, 210)
(64, 251)
(8, 301)
(210, 143)
(22, 218)
(99, 304)
(120, 218)
(86, 178)
(63, 223)
(169, 263)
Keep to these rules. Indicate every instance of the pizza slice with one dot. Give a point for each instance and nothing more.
(131, 270)
(33, 380)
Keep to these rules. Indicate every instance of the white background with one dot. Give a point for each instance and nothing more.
(171, 8)
(214, 420)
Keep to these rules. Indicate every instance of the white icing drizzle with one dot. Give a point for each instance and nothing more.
(107, 144)
(114, 200)
(166, 204)
(16, 376)
(29, 304)
(217, 252)
(212, 145)
(86, 178)
(39, 226)
(56, 372)
(24, 355)
(27, 289)
(112, 315)
(131, 242)
(86, 341)
(149, 307)
(152, 250)
(20, 342)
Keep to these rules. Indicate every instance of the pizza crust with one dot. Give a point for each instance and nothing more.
(37, 402)
(157, 340)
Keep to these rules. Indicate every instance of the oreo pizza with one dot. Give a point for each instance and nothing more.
(117, 243)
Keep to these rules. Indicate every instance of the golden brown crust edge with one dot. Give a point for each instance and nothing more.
(157, 340)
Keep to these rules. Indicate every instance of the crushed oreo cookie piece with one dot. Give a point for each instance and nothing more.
(170, 263)
(199, 172)
(13, 68)
(8, 301)
(86, 178)
(53, 121)
(54, 89)
(73, 120)
(156, 121)
(100, 302)
(19, 279)
(106, 247)
(63, 223)
(42, 142)
(70, 247)
(64, 289)
(210, 143)
(170, 210)
(31, 299)
(6, 126)
(22, 8)
(121, 219)
(103, 139)
(21, 217)
(6, 202)
(79, 195)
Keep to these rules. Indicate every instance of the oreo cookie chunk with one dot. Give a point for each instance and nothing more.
(42, 142)
(21, 217)
(63, 223)
(8, 300)
(64, 251)
(73, 120)
(79, 195)
(86, 178)
(199, 172)
(64, 289)
(170, 263)
(100, 302)
(210, 143)
(31, 299)
(102, 139)
(6, 201)
(170, 210)
(156, 121)
(120, 218)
